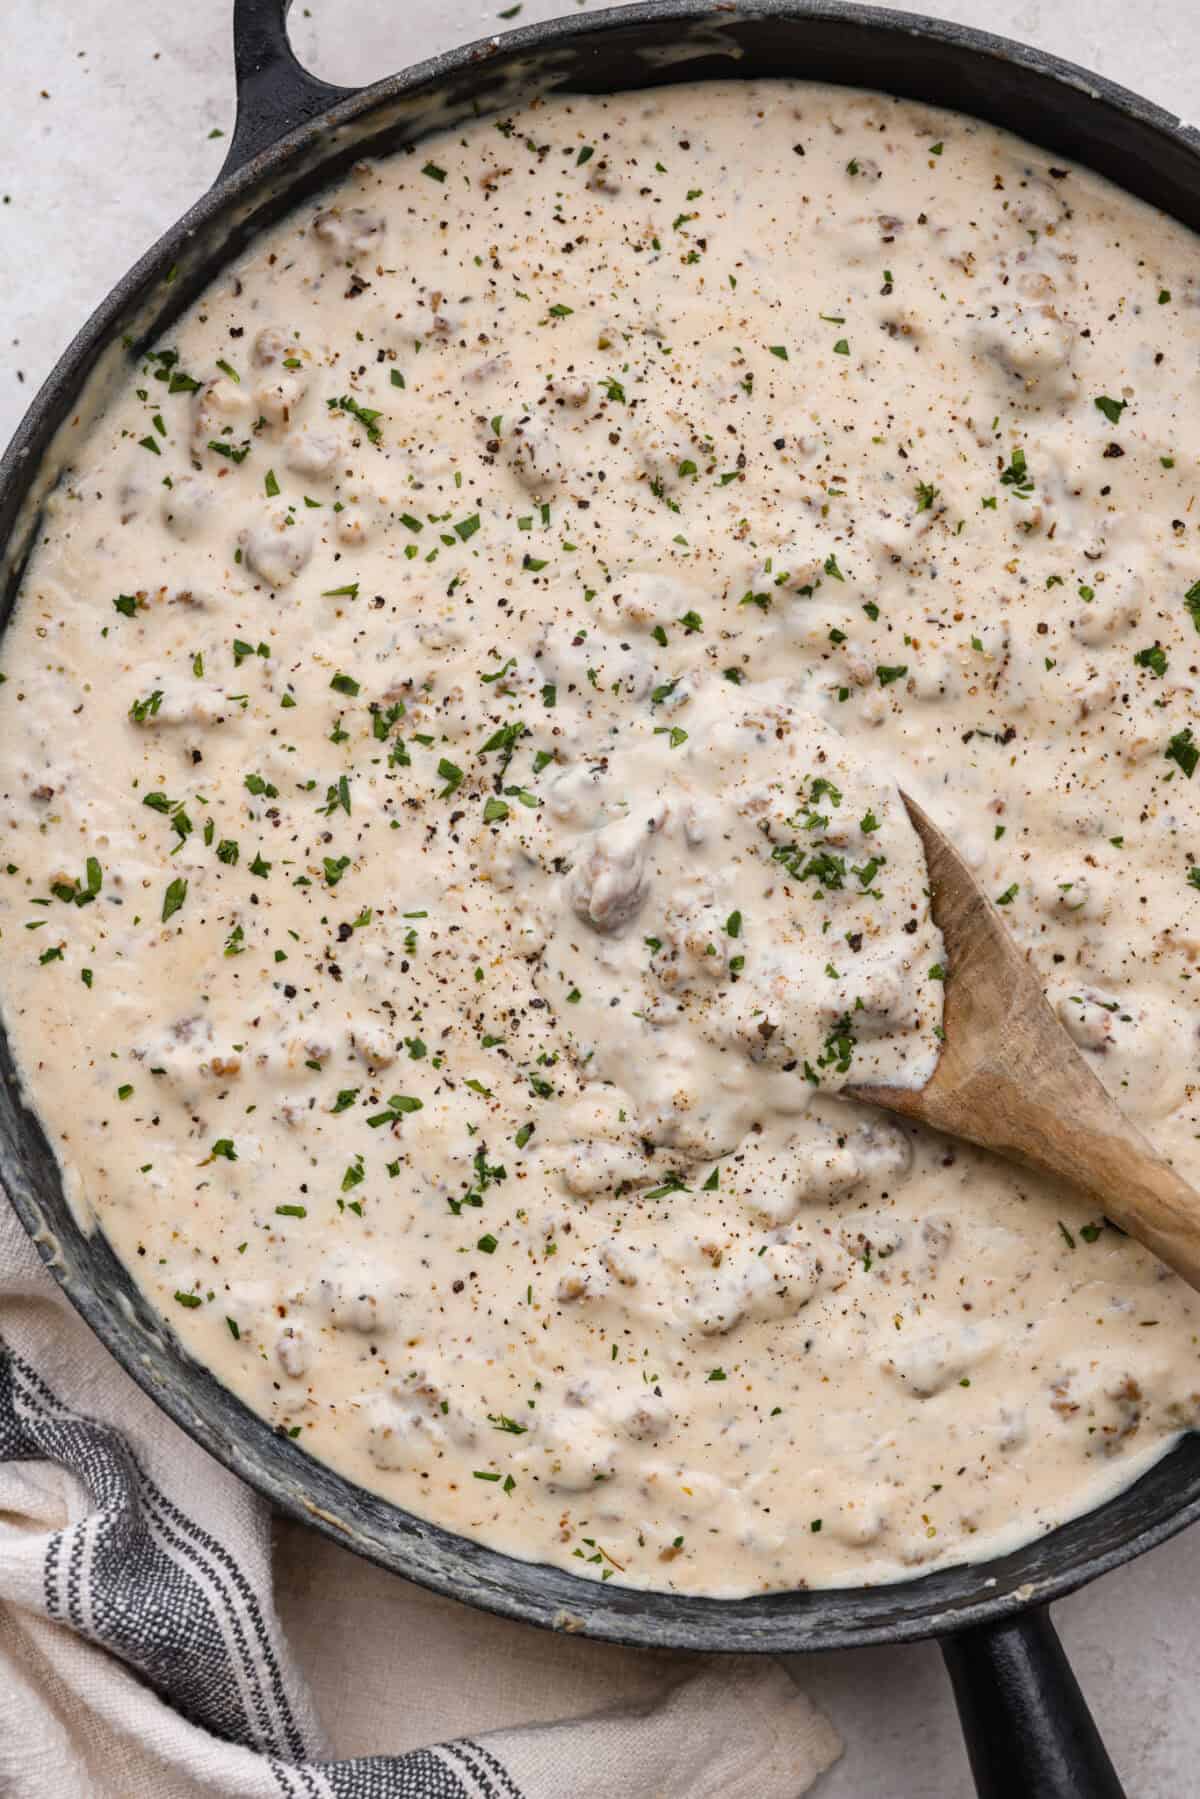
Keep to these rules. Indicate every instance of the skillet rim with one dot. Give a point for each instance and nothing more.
(141, 1339)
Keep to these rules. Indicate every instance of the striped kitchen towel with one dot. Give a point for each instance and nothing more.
(159, 1639)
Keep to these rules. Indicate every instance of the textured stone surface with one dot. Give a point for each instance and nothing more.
(105, 116)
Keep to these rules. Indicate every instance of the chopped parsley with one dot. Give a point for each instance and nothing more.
(1183, 752)
(1017, 475)
(366, 415)
(1154, 658)
(173, 898)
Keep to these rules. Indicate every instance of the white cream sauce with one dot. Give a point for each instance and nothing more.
(448, 759)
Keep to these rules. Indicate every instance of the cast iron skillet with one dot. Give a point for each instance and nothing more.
(1028, 1729)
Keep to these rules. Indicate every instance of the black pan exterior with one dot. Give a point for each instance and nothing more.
(1076, 116)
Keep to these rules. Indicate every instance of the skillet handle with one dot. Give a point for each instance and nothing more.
(1027, 1725)
(275, 93)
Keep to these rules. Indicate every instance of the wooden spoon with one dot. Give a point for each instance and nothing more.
(1010, 1078)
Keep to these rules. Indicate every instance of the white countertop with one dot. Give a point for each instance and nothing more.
(105, 115)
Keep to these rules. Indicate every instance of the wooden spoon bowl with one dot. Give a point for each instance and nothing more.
(1010, 1078)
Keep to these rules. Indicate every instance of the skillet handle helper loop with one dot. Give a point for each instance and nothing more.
(275, 93)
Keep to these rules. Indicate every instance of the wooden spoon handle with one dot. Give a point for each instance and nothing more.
(1145, 1196)
(1010, 1078)
(1056, 1117)
(1061, 1121)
